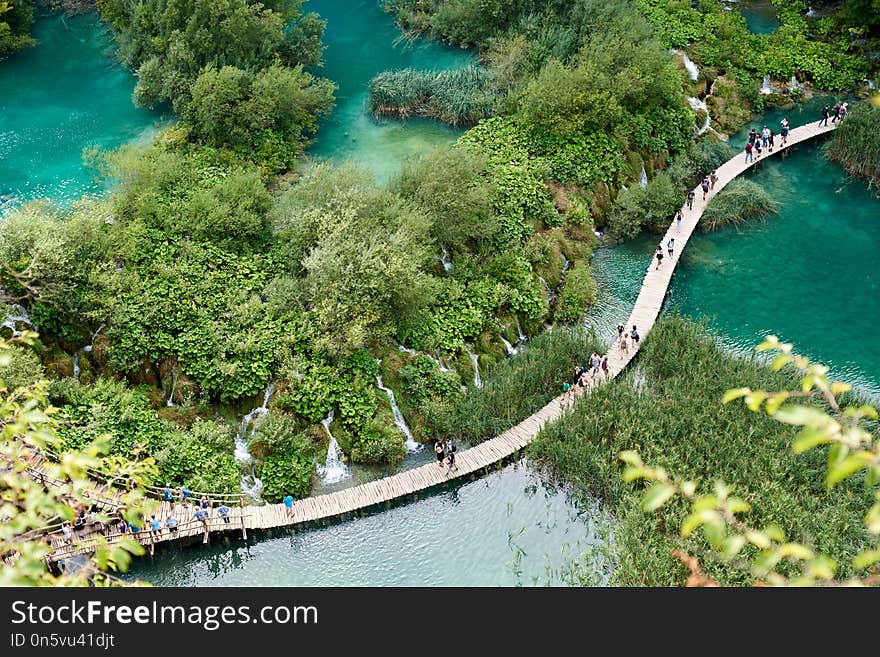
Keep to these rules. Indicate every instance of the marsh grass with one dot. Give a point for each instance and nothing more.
(521, 385)
(738, 203)
(677, 421)
(460, 96)
(856, 143)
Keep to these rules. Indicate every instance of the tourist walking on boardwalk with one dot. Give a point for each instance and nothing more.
(770, 141)
(670, 246)
(619, 331)
(567, 392)
(765, 136)
(783, 132)
(449, 446)
(438, 451)
(842, 112)
(690, 199)
(825, 113)
(623, 342)
(603, 365)
(713, 178)
(678, 219)
(757, 147)
(705, 186)
(749, 157)
(288, 504)
(171, 523)
(594, 364)
(753, 136)
(634, 334)
(223, 512)
(450, 462)
(583, 383)
(835, 111)
(659, 256)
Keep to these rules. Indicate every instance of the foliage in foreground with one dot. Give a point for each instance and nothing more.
(767, 552)
(27, 423)
(16, 19)
(675, 420)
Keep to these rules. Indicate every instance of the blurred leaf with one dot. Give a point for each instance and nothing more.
(657, 495)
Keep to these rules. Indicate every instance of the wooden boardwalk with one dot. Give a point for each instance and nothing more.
(476, 459)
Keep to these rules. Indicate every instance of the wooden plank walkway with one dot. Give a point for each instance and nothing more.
(374, 493)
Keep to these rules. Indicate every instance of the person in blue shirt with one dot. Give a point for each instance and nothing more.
(171, 523)
(224, 513)
(167, 494)
(156, 525)
(184, 494)
(288, 503)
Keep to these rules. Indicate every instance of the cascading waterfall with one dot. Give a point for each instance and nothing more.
(765, 86)
(521, 337)
(175, 373)
(478, 381)
(334, 468)
(643, 178)
(692, 69)
(511, 350)
(566, 263)
(411, 444)
(699, 106)
(75, 359)
(444, 258)
(250, 483)
(795, 85)
(407, 350)
(87, 349)
(412, 352)
(18, 315)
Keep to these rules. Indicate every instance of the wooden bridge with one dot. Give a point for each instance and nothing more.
(476, 459)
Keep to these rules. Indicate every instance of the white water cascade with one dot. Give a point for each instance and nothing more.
(175, 373)
(76, 369)
(765, 86)
(795, 85)
(478, 381)
(11, 321)
(444, 258)
(250, 483)
(521, 337)
(643, 178)
(692, 69)
(699, 106)
(334, 468)
(511, 350)
(411, 444)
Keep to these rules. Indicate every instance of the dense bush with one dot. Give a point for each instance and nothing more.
(202, 459)
(675, 419)
(16, 19)
(286, 457)
(579, 291)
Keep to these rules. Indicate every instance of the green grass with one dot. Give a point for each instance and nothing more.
(739, 202)
(856, 143)
(675, 420)
(519, 386)
(458, 96)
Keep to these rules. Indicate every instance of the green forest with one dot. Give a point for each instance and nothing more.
(225, 262)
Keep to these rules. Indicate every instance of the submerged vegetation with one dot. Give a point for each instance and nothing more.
(675, 420)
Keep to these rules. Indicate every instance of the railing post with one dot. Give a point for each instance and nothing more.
(243, 527)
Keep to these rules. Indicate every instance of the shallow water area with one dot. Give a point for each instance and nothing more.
(65, 94)
(361, 41)
(507, 528)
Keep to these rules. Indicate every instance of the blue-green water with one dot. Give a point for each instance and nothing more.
(806, 274)
(760, 16)
(362, 41)
(506, 529)
(63, 95)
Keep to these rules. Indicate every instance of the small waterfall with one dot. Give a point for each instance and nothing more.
(11, 321)
(411, 444)
(566, 263)
(643, 178)
(250, 483)
(870, 84)
(334, 468)
(810, 11)
(795, 85)
(765, 86)
(76, 369)
(699, 106)
(521, 337)
(444, 258)
(88, 348)
(443, 366)
(478, 382)
(436, 358)
(511, 350)
(175, 373)
(406, 350)
(692, 69)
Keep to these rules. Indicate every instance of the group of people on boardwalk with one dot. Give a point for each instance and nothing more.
(757, 143)
(445, 452)
(594, 371)
(837, 113)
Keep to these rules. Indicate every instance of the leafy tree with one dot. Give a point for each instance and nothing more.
(16, 19)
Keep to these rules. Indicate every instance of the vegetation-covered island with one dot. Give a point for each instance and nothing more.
(235, 315)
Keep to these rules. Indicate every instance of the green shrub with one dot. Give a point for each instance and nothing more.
(22, 368)
(579, 292)
(380, 441)
(855, 144)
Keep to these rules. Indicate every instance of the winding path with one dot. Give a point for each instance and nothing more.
(476, 459)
